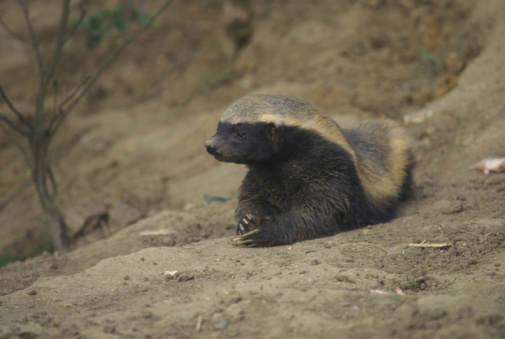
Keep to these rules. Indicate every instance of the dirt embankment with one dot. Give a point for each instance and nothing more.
(137, 154)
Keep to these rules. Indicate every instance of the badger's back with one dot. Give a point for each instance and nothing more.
(384, 160)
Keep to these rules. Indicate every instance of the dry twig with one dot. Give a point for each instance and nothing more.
(426, 245)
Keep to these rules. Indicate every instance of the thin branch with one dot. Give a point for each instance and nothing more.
(10, 31)
(15, 111)
(35, 43)
(13, 125)
(107, 63)
(425, 245)
(14, 193)
(55, 97)
(47, 75)
(61, 111)
(54, 186)
(75, 27)
(16, 142)
(39, 152)
(61, 39)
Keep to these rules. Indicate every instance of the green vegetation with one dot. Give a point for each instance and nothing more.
(102, 24)
(416, 283)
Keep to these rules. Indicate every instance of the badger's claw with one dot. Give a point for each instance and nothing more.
(246, 239)
(246, 224)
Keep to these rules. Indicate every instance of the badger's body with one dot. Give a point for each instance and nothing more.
(307, 177)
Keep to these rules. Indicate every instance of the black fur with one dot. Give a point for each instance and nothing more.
(299, 186)
(228, 145)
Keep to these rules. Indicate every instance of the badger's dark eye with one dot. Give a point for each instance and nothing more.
(241, 135)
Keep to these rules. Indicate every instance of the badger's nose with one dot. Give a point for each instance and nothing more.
(210, 146)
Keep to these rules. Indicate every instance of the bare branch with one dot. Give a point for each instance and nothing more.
(15, 111)
(75, 26)
(47, 75)
(76, 90)
(13, 125)
(35, 43)
(16, 142)
(55, 97)
(10, 31)
(61, 110)
(61, 39)
(14, 193)
(54, 187)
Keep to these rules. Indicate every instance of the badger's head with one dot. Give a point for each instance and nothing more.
(244, 143)
(242, 136)
(258, 128)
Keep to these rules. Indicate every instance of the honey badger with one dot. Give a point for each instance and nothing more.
(307, 177)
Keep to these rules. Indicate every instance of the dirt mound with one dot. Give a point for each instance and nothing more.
(134, 151)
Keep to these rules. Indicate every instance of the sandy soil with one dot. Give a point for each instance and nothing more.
(133, 151)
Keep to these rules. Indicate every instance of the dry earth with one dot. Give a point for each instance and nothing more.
(133, 151)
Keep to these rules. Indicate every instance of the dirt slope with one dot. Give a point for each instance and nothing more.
(137, 155)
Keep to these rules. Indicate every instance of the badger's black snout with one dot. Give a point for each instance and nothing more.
(210, 146)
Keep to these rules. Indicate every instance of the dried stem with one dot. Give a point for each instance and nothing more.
(75, 27)
(426, 245)
(17, 113)
(10, 31)
(16, 141)
(34, 41)
(13, 125)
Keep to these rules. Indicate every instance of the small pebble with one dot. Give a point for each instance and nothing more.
(221, 324)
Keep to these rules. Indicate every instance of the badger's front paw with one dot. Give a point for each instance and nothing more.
(257, 231)
(265, 234)
(247, 224)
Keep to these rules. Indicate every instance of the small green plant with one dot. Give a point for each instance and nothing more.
(500, 299)
(102, 24)
(416, 283)
(43, 245)
(426, 55)
(39, 128)
(8, 256)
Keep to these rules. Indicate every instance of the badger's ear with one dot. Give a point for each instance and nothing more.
(274, 134)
